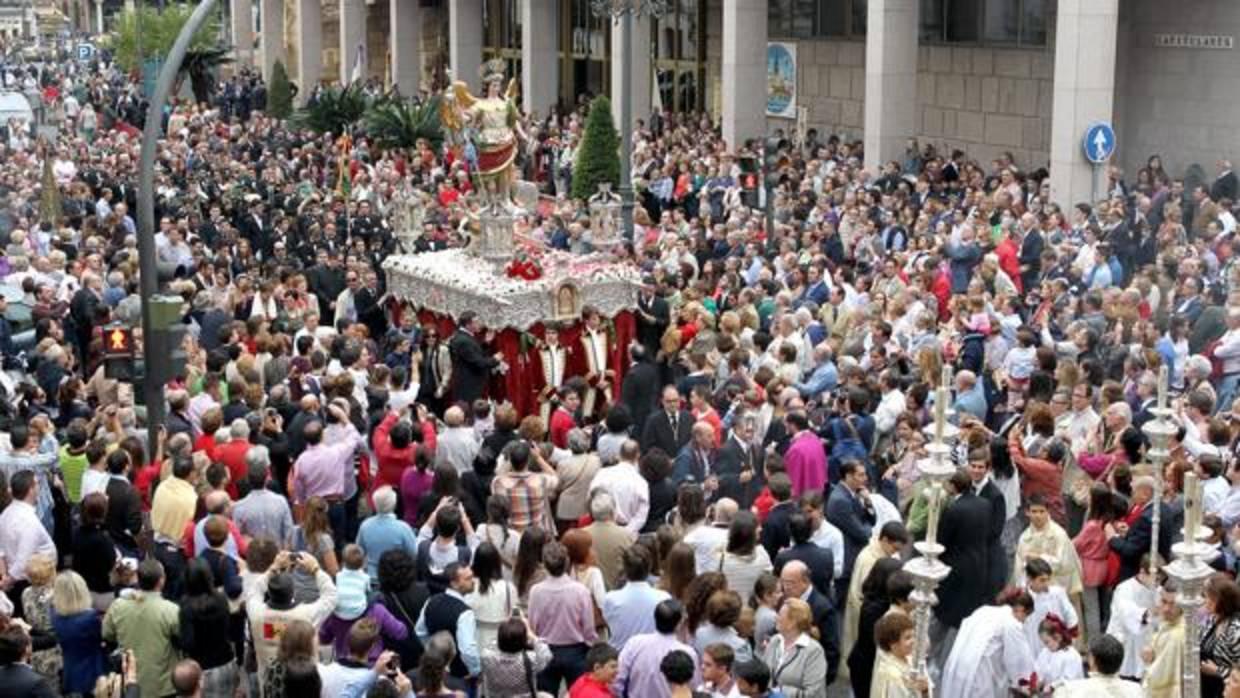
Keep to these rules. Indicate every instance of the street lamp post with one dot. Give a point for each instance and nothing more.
(623, 11)
(148, 274)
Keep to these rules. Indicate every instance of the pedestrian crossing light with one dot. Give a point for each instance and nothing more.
(118, 352)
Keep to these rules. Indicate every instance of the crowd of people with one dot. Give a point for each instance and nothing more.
(342, 503)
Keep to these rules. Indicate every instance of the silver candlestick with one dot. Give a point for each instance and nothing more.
(1159, 431)
(1190, 570)
(926, 569)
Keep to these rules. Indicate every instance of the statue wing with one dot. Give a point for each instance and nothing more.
(514, 90)
(464, 100)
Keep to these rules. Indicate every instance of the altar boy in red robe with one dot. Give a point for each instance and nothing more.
(550, 371)
(599, 355)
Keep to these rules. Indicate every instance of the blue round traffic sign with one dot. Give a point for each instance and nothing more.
(1099, 142)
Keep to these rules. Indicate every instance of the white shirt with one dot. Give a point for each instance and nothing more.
(22, 536)
(631, 492)
(889, 410)
(94, 481)
(706, 541)
(1053, 600)
(828, 537)
(1214, 493)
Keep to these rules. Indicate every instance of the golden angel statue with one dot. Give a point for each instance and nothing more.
(490, 125)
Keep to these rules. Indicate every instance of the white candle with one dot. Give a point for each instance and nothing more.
(1162, 386)
(1192, 507)
(940, 413)
(934, 499)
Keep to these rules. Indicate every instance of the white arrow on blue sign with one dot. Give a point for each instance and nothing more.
(1099, 143)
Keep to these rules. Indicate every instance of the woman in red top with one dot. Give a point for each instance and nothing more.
(395, 443)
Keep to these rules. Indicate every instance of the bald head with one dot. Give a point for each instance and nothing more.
(794, 578)
(216, 502)
(187, 678)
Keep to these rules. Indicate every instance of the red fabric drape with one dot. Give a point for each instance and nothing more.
(520, 385)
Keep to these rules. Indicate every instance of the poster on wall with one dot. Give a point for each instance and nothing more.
(781, 79)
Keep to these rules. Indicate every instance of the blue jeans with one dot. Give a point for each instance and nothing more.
(337, 517)
(1227, 392)
(568, 662)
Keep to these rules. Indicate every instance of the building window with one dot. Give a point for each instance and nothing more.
(808, 19)
(679, 47)
(1010, 22)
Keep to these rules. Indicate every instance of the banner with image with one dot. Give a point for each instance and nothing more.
(781, 79)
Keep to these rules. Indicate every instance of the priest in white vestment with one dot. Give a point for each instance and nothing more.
(991, 654)
(1132, 623)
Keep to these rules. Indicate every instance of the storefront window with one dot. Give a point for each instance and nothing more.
(807, 19)
(1018, 22)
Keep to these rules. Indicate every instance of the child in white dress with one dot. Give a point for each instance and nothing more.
(1058, 660)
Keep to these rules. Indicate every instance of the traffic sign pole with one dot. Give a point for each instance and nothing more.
(1098, 145)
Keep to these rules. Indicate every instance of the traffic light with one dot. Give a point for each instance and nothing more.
(118, 352)
(165, 348)
(749, 181)
(772, 162)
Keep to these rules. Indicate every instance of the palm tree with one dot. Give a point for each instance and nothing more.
(145, 33)
(334, 110)
(401, 123)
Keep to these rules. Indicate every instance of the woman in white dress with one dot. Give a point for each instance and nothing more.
(991, 653)
(493, 598)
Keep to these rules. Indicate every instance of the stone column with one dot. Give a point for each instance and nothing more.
(271, 44)
(1085, 45)
(465, 41)
(744, 71)
(540, 55)
(890, 79)
(352, 35)
(406, 38)
(309, 48)
(242, 17)
(638, 58)
(99, 16)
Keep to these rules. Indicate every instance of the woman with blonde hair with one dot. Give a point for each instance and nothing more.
(796, 658)
(37, 607)
(313, 536)
(79, 633)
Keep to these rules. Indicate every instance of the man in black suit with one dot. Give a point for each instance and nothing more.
(369, 311)
(819, 560)
(640, 390)
(964, 532)
(1133, 542)
(16, 675)
(739, 465)
(668, 429)
(850, 510)
(471, 367)
(1031, 246)
(124, 518)
(983, 486)
(1225, 186)
(775, 534)
(653, 316)
(795, 580)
